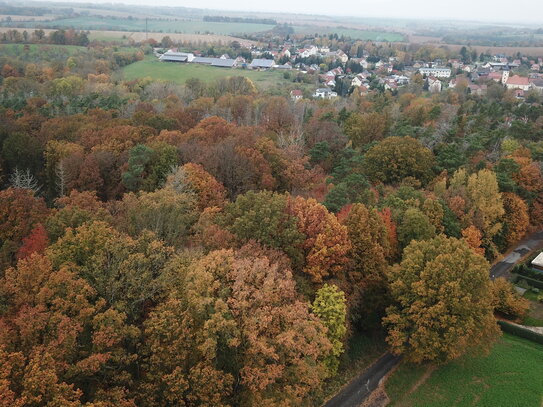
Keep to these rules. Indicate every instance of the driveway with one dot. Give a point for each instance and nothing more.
(502, 268)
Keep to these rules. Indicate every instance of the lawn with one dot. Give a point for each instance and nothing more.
(511, 376)
(133, 24)
(179, 73)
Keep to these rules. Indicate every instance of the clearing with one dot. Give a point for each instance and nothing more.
(180, 72)
(511, 376)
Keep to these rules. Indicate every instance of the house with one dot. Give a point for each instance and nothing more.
(363, 90)
(496, 76)
(436, 71)
(261, 64)
(518, 82)
(296, 94)
(537, 263)
(325, 93)
(357, 81)
(537, 84)
(342, 56)
(479, 90)
(434, 84)
(171, 56)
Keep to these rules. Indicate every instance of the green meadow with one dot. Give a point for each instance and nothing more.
(510, 376)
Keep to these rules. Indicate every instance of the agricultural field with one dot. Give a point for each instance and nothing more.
(512, 376)
(365, 35)
(166, 26)
(179, 73)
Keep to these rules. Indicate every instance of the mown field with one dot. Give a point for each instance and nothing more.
(511, 376)
(132, 24)
(179, 73)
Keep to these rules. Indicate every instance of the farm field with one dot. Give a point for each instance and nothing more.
(173, 26)
(125, 36)
(179, 73)
(511, 376)
(352, 32)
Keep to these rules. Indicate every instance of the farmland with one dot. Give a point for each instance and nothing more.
(512, 375)
(365, 35)
(179, 73)
(166, 26)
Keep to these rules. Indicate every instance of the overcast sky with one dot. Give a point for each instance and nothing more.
(528, 11)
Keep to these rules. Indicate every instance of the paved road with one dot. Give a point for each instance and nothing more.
(361, 387)
(529, 244)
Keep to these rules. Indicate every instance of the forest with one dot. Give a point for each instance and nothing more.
(210, 244)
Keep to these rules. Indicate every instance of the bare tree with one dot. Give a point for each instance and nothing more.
(24, 180)
(61, 178)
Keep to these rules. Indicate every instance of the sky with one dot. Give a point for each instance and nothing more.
(527, 11)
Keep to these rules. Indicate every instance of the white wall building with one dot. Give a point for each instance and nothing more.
(437, 72)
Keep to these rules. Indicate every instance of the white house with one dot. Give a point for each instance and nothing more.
(324, 93)
(436, 71)
(434, 85)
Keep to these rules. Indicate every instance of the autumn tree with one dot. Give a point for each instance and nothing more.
(443, 303)
(516, 219)
(165, 212)
(233, 308)
(370, 244)
(263, 216)
(194, 178)
(396, 158)
(20, 212)
(507, 301)
(330, 307)
(124, 271)
(415, 225)
(473, 237)
(326, 244)
(364, 128)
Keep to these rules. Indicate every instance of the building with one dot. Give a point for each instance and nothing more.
(223, 63)
(436, 71)
(325, 93)
(518, 82)
(261, 63)
(434, 85)
(537, 263)
(296, 95)
(171, 56)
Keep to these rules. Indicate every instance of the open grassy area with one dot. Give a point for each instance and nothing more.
(180, 72)
(364, 35)
(511, 376)
(133, 24)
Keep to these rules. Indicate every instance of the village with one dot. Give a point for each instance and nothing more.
(340, 74)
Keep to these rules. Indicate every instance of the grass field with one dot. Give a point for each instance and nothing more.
(365, 35)
(511, 376)
(39, 50)
(173, 26)
(179, 73)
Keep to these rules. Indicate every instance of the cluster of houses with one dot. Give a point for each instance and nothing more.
(438, 74)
